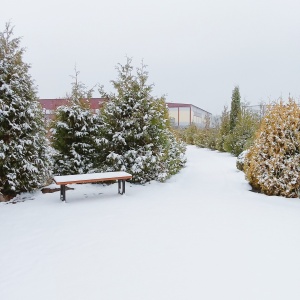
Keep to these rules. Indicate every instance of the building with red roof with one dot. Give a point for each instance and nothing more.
(181, 114)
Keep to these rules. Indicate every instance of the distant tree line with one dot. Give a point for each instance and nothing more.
(232, 132)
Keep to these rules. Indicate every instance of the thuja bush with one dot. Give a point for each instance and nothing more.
(240, 161)
(135, 130)
(207, 138)
(223, 129)
(272, 164)
(24, 157)
(189, 134)
(75, 134)
(241, 137)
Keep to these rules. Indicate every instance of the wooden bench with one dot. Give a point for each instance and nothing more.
(93, 177)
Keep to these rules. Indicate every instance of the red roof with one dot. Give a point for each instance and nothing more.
(171, 104)
(53, 104)
(96, 103)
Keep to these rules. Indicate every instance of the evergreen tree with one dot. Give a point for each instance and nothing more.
(272, 164)
(190, 133)
(24, 158)
(235, 107)
(224, 129)
(136, 130)
(242, 135)
(75, 133)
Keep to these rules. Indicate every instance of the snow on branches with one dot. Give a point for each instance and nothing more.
(135, 126)
(272, 164)
(24, 156)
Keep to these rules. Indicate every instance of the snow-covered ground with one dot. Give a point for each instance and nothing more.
(200, 235)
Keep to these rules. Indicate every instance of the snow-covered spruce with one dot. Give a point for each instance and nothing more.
(75, 132)
(136, 132)
(273, 162)
(24, 158)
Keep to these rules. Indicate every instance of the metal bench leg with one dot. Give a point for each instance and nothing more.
(63, 192)
(121, 186)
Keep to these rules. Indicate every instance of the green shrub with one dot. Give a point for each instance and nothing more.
(242, 135)
(223, 130)
(189, 134)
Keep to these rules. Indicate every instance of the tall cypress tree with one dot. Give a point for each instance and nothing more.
(24, 158)
(224, 129)
(235, 107)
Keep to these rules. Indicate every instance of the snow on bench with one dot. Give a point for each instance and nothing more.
(92, 177)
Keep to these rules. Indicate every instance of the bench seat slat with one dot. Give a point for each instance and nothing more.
(92, 177)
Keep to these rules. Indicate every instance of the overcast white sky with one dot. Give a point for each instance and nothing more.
(196, 50)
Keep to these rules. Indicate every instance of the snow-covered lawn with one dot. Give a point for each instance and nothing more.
(200, 235)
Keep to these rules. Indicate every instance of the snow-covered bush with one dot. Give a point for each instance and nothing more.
(24, 158)
(136, 131)
(273, 162)
(175, 154)
(240, 161)
(75, 134)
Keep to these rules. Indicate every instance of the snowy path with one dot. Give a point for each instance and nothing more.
(200, 235)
